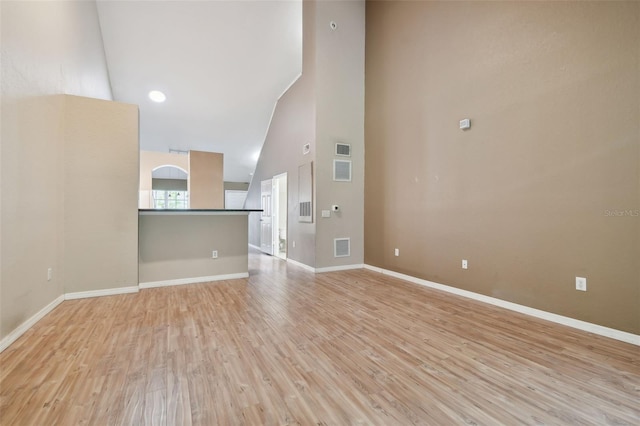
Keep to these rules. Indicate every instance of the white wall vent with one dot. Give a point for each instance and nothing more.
(342, 170)
(343, 149)
(306, 148)
(342, 247)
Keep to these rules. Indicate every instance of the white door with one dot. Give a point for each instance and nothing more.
(266, 229)
(279, 216)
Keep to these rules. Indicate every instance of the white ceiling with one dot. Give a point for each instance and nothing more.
(222, 65)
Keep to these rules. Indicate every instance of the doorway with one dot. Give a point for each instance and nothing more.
(279, 217)
(266, 225)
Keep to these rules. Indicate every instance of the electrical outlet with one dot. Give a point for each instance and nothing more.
(581, 283)
(397, 252)
(465, 265)
(214, 254)
(49, 274)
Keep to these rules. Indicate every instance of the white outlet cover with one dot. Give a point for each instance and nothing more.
(326, 213)
(214, 254)
(464, 264)
(397, 252)
(581, 283)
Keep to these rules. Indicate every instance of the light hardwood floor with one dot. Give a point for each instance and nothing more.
(289, 347)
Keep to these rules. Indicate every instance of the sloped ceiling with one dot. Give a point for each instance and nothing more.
(221, 64)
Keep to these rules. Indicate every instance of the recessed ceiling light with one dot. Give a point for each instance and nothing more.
(157, 96)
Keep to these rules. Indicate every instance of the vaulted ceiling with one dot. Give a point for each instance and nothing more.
(221, 64)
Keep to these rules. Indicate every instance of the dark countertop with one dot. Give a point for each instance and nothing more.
(195, 211)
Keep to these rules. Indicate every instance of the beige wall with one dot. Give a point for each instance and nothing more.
(169, 184)
(73, 204)
(236, 186)
(528, 195)
(32, 208)
(100, 194)
(206, 185)
(47, 48)
(179, 246)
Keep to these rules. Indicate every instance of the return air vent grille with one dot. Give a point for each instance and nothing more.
(305, 209)
(305, 193)
(342, 170)
(343, 149)
(342, 247)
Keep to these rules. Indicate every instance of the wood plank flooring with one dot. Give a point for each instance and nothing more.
(289, 347)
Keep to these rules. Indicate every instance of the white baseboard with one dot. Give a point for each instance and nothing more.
(195, 280)
(255, 247)
(623, 336)
(98, 293)
(339, 268)
(302, 265)
(325, 269)
(22, 328)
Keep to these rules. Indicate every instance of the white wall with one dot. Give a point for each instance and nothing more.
(292, 126)
(339, 118)
(325, 106)
(52, 47)
(47, 48)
